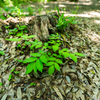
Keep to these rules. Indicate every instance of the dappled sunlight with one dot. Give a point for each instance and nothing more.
(62, 5)
(97, 21)
(32, 5)
(94, 13)
(72, 3)
(46, 6)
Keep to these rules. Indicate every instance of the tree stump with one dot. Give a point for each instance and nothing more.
(41, 26)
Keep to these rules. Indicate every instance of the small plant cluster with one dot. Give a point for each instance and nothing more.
(1, 90)
(64, 22)
(13, 71)
(16, 11)
(30, 10)
(18, 31)
(49, 54)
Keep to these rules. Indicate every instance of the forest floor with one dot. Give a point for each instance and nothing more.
(75, 81)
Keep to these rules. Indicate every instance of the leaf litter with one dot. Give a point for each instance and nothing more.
(79, 80)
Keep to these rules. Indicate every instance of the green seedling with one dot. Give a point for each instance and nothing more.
(93, 72)
(75, 11)
(16, 10)
(32, 84)
(18, 46)
(30, 10)
(1, 84)
(20, 34)
(2, 52)
(22, 52)
(21, 27)
(12, 70)
(16, 72)
(13, 31)
(7, 27)
(39, 10)
(10, 77)
(16, 59)
(25, 31)
(24, 47)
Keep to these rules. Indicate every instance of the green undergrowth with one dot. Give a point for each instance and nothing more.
(49, 54)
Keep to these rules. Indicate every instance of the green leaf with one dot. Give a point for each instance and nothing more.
(12, 70)
(41, 51)
(65, 49)
(31, 59)
(59, 61)
(49, 47)
(13, 39)
(58, 40)
(35, 68)
(32, 84)
(73, 57)
(55, 47)
(24, 36)
(11, 33)
(57, 66)
(30, 67)
(52, 42)
(60, 52)
(20, 34)
(1, 84)
(31, 36)
(58, 11)
(20, 60)
(49, 63)
(38, 45)
(51, 70)
(49, 53)
(28, 43)
(36, 54)
(59, 56)
(66, 54)
(43, 59)
(52, 58)
(54, 54)
(10, 77)
(39, 65)
(12, 30)
(46, 44)
(22, 27)
(2, 52)
(16, 72)
(79, 54)
(32, 46)
(19, 45)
